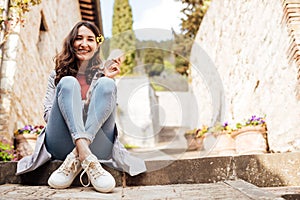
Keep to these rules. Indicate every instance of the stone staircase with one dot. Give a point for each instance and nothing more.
(262, 170)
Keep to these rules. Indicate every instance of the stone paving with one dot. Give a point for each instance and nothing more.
(226, 191)
(181, 191)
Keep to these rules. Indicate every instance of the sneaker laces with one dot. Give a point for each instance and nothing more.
(69, 165)
(95, 170)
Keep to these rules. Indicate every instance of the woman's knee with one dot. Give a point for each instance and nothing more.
(68, 82)
(106, 85)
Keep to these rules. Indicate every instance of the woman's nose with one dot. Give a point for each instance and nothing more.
(83, 42)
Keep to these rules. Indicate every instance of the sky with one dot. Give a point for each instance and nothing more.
(158, 14)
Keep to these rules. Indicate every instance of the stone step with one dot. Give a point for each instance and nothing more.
(262, 170)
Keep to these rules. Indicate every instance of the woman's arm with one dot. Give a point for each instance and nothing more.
(49, 97)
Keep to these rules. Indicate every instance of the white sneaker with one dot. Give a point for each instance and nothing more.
(66, 173)
(101, 179)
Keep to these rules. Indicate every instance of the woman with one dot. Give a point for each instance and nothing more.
(80, 107)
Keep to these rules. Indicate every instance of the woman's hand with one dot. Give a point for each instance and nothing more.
(113, 70)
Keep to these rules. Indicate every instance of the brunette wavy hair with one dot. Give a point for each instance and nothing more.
(66, 60)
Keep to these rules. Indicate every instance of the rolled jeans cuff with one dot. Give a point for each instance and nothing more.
(83, 135)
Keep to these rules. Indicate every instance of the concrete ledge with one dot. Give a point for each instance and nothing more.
(202, 170)
(264, 170)
(269, 170)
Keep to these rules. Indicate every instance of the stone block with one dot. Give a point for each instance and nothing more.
(269, 170)
(202, 170)
(262, 170)
(7, 173)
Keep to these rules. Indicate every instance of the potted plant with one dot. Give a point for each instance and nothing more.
(223, 143)
(7, 151)
(251, 136)
(195, 138)
(26, 139)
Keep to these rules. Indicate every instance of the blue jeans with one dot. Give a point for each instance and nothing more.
(67, 122)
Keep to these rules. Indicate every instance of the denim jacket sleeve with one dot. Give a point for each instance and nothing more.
(49, 97)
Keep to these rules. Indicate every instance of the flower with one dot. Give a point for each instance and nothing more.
(253, 121)
(226, 127)
(219, 128)
(29, 129)
(100, 39)
(198, 132)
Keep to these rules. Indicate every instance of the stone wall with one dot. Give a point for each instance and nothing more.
(248, 41)
(28, 59)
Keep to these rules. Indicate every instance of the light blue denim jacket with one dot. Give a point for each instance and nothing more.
(120, 160)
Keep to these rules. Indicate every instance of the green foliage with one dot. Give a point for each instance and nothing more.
(182, 65)
(129, 63)
(7, 152)
(123, 35)
(198, 132)
(182, 49)
(157, 87)
(130, 146)
(252, 121)
(169, 67)
(23, 6)
(122, 17)
(194, 13)
(154, 61)
(221, 128)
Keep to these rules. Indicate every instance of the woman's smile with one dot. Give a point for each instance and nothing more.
(83, 51)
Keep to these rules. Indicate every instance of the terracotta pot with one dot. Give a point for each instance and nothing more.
(225, 144)
(25, 144)
(251, 140)
(193, 143)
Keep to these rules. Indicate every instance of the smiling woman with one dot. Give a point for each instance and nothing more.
(80, 109)
(79, 39)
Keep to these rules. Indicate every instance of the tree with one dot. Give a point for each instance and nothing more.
(194, 12)
(123, 35)
(182, 49)
(154, 61)
(13, 15)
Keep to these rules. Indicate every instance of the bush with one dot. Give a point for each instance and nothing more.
(7, 152)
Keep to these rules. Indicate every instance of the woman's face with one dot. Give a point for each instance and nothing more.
(85, 44)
